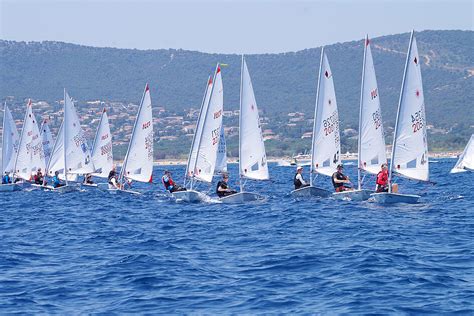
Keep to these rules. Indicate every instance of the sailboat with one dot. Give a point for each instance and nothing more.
(371, 144)
(10, 142)
(252, 158)
(326, 146)
(102, 156)
(138, 162)
(48, 142)
(410, 148)
(30, 155)
(70, 155)
(203, 154)
(466, 160)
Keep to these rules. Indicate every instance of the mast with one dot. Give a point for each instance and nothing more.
(3, 136)
(194, 138)
(65, 137)
(21, 140)
(398, 115)
(204, 123)
(366, 43)
(124, 165)
(240, 124)
(314, 120)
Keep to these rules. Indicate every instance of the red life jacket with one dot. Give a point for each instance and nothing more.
(382, 178)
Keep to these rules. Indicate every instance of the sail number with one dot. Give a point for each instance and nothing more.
(331, 124)
(377, 118)
(216, 134)
(417, 121)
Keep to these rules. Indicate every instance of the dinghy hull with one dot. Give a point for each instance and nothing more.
(63, 189)
(119, 191)
(190, 196)
(9, 187)
(310, 191)
(354, 195)
(242, 197)
(390, 198)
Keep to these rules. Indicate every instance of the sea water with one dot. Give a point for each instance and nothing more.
(94, 252)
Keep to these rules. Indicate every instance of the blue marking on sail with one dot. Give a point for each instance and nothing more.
(254, 167)
(326, 163)
(374, 161)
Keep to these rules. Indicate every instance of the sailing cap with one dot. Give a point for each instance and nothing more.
(340, 166)
(299, 168)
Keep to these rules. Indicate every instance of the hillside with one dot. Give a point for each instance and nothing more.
(283, 82)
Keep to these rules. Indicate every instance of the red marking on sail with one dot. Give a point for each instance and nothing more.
(104, 110)
(417, 93)
(147, 88)
(326, 74)
(210, 81)
(218, 69)
(29, 102)
(367, 41)
(415, 60)
(252, 107)
(329, 101)
(151, 179)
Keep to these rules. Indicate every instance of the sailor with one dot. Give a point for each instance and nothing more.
(298, 180)
(88, 179)
(112, 179)
(339, 179)
(56, 181)
(222, 188)
(169, 183)
(38, 178)
(6, 178)
(382, 179)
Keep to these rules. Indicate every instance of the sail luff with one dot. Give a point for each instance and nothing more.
(360, 114)
(241, 185)
(311, 170)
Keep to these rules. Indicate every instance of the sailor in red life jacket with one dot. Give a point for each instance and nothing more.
(382, 179)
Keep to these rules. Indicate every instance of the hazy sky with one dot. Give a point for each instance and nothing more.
(226, 26)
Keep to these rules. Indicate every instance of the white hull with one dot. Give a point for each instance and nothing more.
(242, 197)
(190, 196)
(118, 191)
(9, 187)
(354, 195)
(389, 198)
(310, 192)
(89, 185)
(64, 189)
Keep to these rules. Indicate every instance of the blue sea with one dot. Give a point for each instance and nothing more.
(93, 252)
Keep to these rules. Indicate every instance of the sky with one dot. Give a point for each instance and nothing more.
(225, 26)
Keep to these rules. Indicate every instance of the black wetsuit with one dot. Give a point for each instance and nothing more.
(222, 184)
(338, 186)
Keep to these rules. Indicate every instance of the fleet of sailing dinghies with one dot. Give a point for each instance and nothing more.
(326, 145)
(252, 158)
(466, 160)
(371, 143)
(138, 162)
(70, 155)
(10, 142)
(410, 147)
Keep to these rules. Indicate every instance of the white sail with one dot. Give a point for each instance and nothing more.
(10, 141)
(70, 150)
(326, 139)
(410, 149)
(209, 140)
(48, 142)
(221, 160)
(466, 160)
(253, 160)
(30, 151)
(138, 163)
(78, 155)
(190, 168)
(102, 156)
(371, 137)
